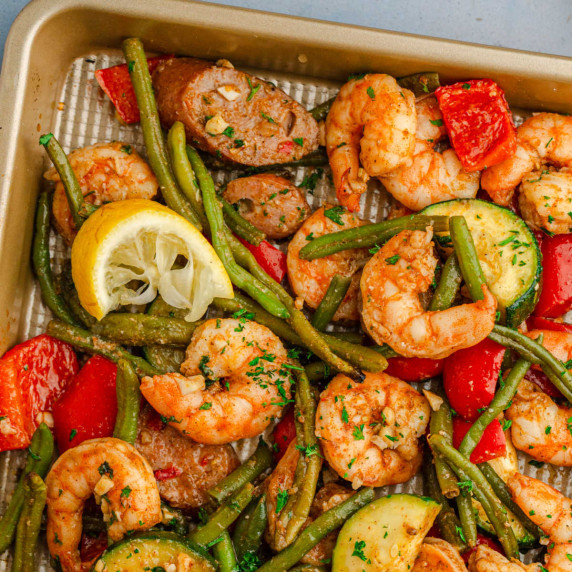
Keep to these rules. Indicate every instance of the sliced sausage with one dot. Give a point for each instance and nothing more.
(184, 470)
(231, 114)
(271, 203)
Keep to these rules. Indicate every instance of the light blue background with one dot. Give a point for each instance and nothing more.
(536, 25)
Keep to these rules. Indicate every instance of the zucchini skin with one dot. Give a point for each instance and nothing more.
(114, 557)
(521, 306)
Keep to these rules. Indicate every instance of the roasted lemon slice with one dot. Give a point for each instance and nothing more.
(128, 251)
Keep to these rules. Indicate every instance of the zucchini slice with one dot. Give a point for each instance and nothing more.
(385, 535)
(153, 551)
(507, 250)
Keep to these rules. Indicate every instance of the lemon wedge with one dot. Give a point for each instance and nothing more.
(128, 251)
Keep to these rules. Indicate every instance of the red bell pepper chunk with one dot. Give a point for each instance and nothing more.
(540, 378)
(284, 434)
(414, 369)
(470, 377)
(482, 539)
(91, 548)
(33, 375)
(272, 260)
(491, 445)
(167, 473)
(88, 408)
(538, 323)
(116, 83)
(556, 294)
(478, 121)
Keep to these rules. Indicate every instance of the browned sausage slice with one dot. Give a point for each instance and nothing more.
(271, 203)
(185, 470)
(233, 115)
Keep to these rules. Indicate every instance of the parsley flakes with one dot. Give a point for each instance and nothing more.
(335, 214)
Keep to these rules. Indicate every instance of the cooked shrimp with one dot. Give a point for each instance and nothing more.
(428, 176)
(544, 139)
(392, 313)
(106, 172)
(233, 383)
(310, 278)
(271, 203)
(437, 555)
(370, 431)
(545, 200)
(485, 559)
(550, 510)
(373, 120)
(540, 427)
(330, 495)
(123, 483)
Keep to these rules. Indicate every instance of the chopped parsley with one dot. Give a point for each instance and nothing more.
(335, 214)
(73, 433)
(370, 92)
(267, 117)
(229, 131)
(358, 550)
(299, 141)
(105, 469)
(205, 406)
(281, 500)
(437, 122)
(253, 89)
(392, 259)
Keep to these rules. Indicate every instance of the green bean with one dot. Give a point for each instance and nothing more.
(184, 175)
(320, 112)
(467, 517)
(317, 371)
(316, 158)
(447, 520)
(534, 352)
(166, 358)
(250, 528)
(331, 301)
(41, 261)
(308, 568)
(350, 337)
(294, 517)
(223, 517)
(66, 285)
(448, 286)
(94, 344)
(503, 493)
(309, 336)
(441, 422)
(239, 225)
(420, 83)
(467, 257)
(500, 402)
(29, 524)
(40, 454)
(128, 402)
(467, 471)
(260, 460)
(80, 210)
(365, 358)
(239, 276)
(224, 554)
(320, 528)
(152, 133)
(145, 329)
(369, 235)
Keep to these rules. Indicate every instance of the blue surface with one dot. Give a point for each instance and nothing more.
(536, 25)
